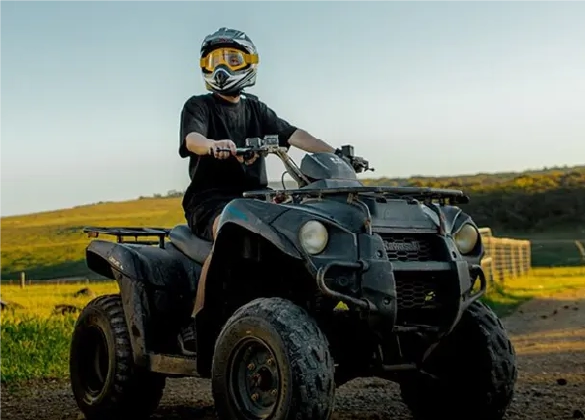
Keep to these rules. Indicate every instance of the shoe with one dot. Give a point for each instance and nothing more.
(187, 340)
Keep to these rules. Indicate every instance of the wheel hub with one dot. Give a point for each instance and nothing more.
(255, 380)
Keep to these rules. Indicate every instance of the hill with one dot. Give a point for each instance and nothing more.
(51, 244)
(549, 203)
(526, 202)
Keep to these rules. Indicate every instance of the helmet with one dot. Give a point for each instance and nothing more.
(228, 61)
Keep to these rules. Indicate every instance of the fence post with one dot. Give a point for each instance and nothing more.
(22, 279)
(581, 249)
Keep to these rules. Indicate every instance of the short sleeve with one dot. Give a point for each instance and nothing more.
(273, 124)
(194, 119)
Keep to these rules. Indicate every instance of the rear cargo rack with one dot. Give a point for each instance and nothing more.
(127, 232)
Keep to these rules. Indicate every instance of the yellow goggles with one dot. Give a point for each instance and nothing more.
(231, 57)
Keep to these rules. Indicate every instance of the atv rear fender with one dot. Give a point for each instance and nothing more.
(157, 287)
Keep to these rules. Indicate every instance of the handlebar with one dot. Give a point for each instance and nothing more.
(270, 145)
(243, 150)
(248, 152)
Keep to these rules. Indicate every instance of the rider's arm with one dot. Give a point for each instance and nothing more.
(273, 124)
(289, 135)
(194, 128)
(198, 143)
(305, 141)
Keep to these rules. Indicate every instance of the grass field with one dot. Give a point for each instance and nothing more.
(35, 342)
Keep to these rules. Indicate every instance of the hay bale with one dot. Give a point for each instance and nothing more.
(85, 292)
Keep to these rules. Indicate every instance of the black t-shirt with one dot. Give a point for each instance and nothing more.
(218, 119)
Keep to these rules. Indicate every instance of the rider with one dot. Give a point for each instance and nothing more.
(222, 120)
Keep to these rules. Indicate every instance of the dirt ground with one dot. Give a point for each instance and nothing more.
(548, 334)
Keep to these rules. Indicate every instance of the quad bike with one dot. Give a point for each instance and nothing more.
(306, 289)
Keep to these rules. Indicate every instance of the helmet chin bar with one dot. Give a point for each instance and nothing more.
(228, 92)
(232, 92)
(221, 76)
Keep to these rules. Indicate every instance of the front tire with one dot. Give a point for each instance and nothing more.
(475, 369)
(105, 382)
(272, 361)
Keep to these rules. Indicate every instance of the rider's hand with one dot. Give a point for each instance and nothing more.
(359, 164)
(249, 161)
(218, 145)
(279, 198)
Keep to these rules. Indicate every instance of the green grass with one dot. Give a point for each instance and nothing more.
(35, 348)
(542, 282)
(35, 343)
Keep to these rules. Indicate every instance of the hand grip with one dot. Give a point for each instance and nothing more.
(246, 152)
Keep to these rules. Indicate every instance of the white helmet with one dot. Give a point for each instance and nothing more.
(228, 61)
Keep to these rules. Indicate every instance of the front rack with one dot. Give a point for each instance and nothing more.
(407, 193)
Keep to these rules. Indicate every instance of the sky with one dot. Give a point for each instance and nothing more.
(91, 92)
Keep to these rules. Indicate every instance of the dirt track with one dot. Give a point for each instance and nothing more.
(549, 336)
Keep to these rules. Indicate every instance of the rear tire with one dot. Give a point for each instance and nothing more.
(476, 370)
(105, 382)
(272, 361)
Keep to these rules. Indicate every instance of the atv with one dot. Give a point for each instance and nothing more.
(306, 289)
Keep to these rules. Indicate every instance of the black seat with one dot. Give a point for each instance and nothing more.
(189, 244)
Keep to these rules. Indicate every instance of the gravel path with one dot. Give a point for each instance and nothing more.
(549, 336)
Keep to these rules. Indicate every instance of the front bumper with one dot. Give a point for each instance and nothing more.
(404, 296)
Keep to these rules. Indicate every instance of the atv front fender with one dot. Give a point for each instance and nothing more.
(250, 216)
(258, 217)
(278, 225)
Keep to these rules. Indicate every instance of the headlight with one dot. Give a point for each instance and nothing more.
(466, 238)
(313, 236)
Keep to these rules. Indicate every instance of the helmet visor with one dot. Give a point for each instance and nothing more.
(233, 58)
